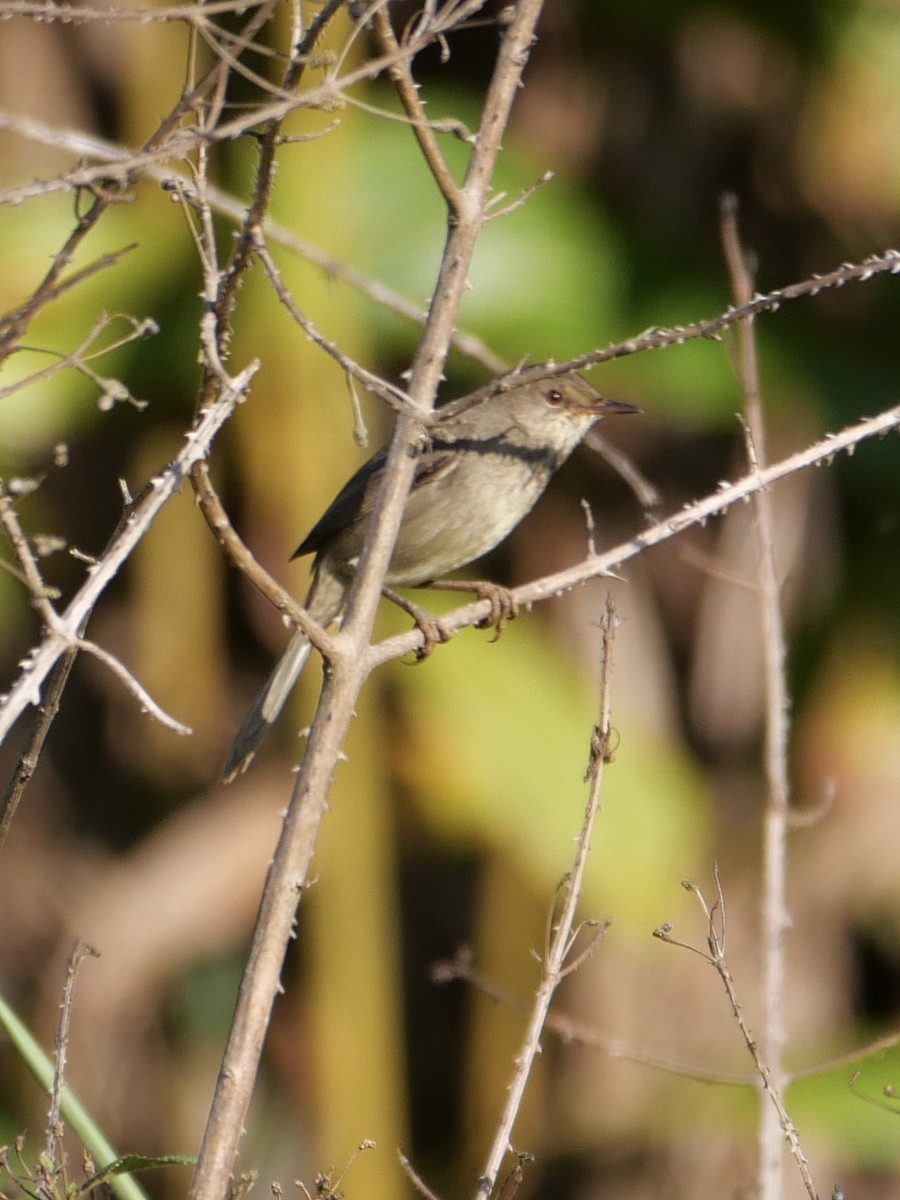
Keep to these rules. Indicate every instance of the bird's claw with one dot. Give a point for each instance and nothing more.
(434, 631)
(504, 606)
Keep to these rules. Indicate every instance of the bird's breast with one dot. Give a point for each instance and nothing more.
(463, 514)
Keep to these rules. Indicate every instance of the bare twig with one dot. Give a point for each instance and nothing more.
(137, 689)
(401, 76)
(31, 575)
(553, 966)
(220, 291)
(276, 233)
(503, 210)
(714, 954)
(259, 204)
(886, 262)
(40, 594)
(775, 917)
(388, 392)
(416, 1179)
(237, 551)
(350, 666)
(698, 513)
(112, 391)
(40, 662)
(50, 286)
(116, 159)
(170, 143)
(890, 1102)
(28, 759)
(75, 14)
(55, 1149)
(107, 188)
(645, 492)
(570, 1029)
(870, 1049)
(12, 323)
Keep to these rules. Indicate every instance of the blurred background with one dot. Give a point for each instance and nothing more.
(454, 817)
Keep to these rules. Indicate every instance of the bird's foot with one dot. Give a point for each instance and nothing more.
(433, 631)
(504, 605)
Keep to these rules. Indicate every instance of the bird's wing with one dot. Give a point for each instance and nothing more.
(356, 499)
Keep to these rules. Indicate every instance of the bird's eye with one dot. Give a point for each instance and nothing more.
(554, 397)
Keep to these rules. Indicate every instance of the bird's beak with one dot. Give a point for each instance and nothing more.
(609, 407)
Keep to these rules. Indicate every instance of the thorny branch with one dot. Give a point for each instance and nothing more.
(775, 916)
(562, 932)
(714, 954)
(698, 513)
(656, 338)
(349, 668)
(574, 1030)
(401, 75)
(55, 1151)
(64, 633)
(469, 204)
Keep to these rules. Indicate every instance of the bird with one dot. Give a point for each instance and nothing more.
(480, 468)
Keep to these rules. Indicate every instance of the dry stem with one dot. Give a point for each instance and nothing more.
(67, 626)
(697, 513)
(774, 902)
(350, 666)
(714, 954)
(563, 932)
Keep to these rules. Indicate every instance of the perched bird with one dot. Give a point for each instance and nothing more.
(482, 466)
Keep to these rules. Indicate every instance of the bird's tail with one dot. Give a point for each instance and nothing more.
(267, 705)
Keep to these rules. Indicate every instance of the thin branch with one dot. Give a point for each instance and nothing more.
(116, 158)
(523, 197)
(49, 290)
(449, 125)
(25, 767)
(170, 143)
(106, 189)
(41, 660)
(885, 262)
(876, 1046)
(401, 76)
(289, 869)
(714, 954)
(259, 204)
(239, 554)
(9, 521)
(220, 291)
(394, 396)
(226, 205)
(112, 390)
(55, 1150)
(698, 513)
(75, 14)
(646, 492)
(570, 1029)
(888, 1105)
(14, 325)
(137, 689)
(553, 966)
(28, 759)
(775, 917)
(416, 1179)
